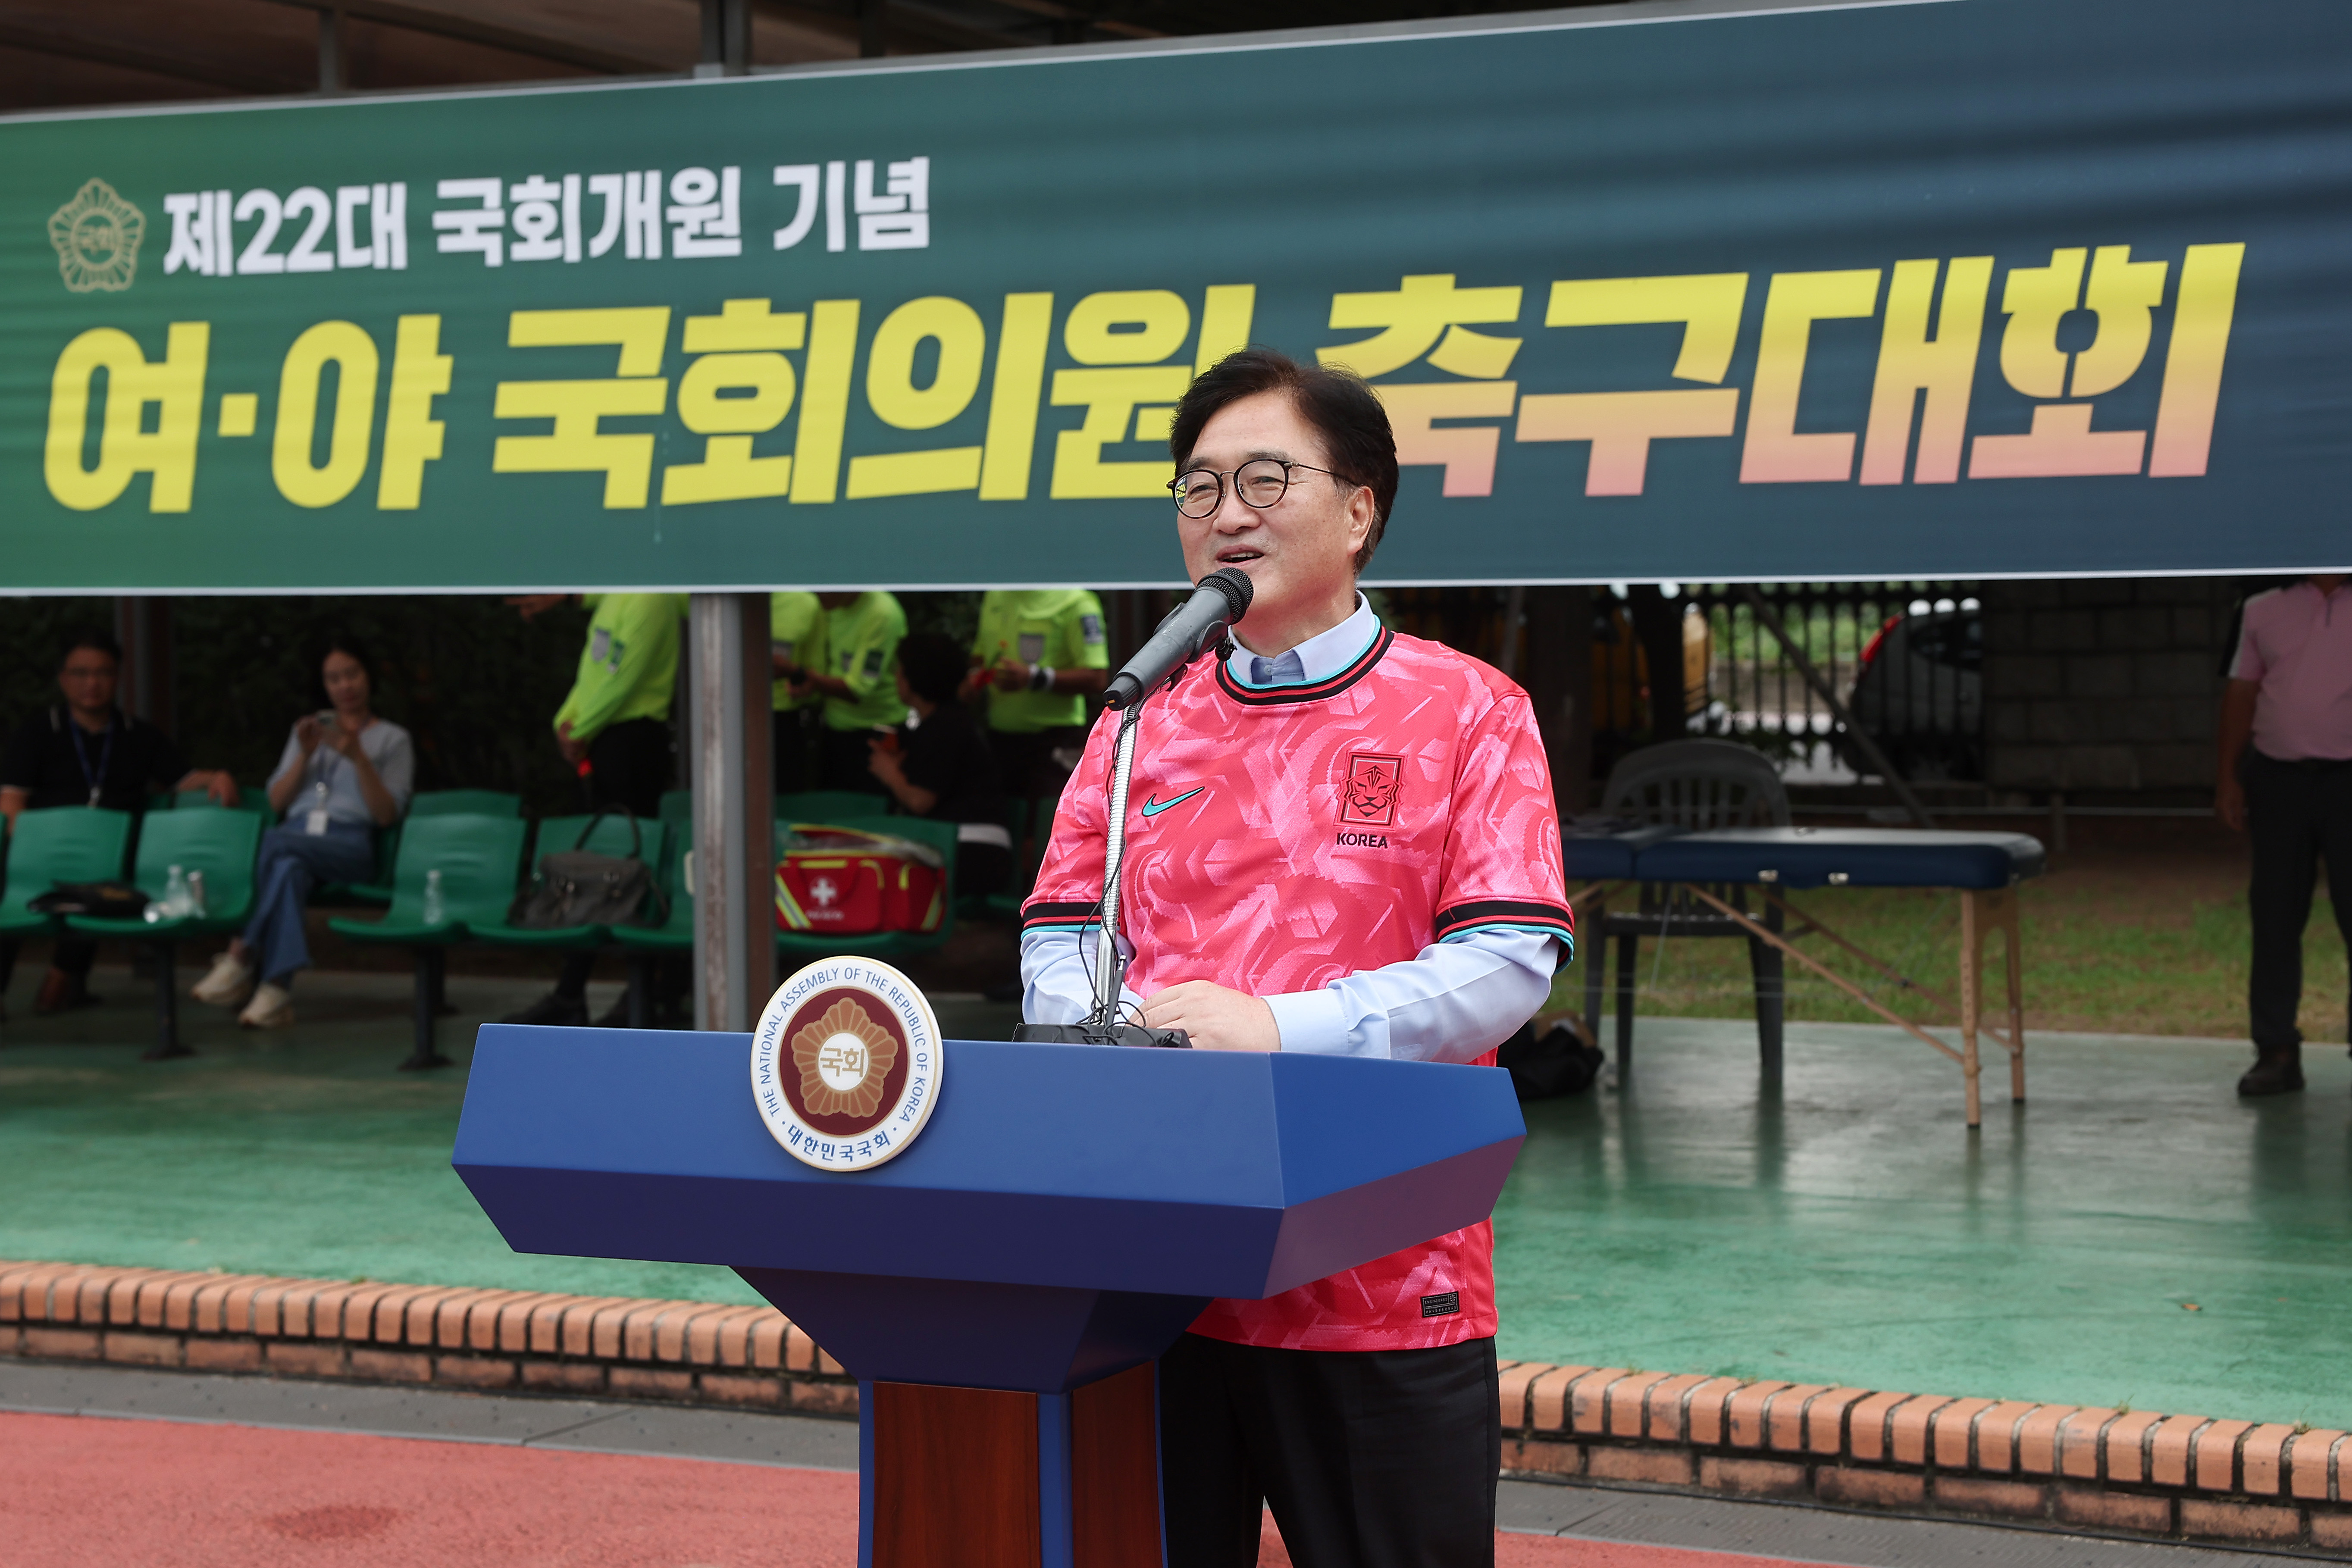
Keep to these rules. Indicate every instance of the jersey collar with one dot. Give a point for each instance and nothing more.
(1327, 662)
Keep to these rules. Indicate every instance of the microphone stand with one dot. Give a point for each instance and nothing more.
(1102, 1026)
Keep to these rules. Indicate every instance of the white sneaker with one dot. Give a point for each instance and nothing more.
(272, 1008)
(226, 984)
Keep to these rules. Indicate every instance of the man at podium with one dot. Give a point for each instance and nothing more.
(1339, 841)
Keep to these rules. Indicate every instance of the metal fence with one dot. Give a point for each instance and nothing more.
(1907, 659)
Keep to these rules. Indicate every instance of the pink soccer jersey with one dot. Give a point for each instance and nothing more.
(1280, 839)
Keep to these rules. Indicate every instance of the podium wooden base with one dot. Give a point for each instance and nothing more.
(973, 1477)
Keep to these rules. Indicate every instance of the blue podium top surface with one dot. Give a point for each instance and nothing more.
(1187, 1173)
(1850, 857)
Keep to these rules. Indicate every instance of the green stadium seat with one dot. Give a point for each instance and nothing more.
(829, 807)
(479, 857)
(59, 844)
(221, 845)
(795, 948)
(607, 834)
(464, 803)
(645, 945)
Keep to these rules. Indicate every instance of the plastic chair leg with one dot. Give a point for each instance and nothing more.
(429, 974)
(1629, 964)
(1770, 970)
(167, 1009)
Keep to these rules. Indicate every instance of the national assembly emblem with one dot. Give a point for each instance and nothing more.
(845, 1064)
(96, 237)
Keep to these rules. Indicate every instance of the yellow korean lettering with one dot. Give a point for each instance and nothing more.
(1131, 326)
(347, 347)
(1775, 453)
(1011, 441)
(824, 400)
(411, 437)
(740, 386)
(1911, 363)
(239, 413)
(2036, 299)
(1423, 309)
(1133, 330)
(898, 402)
(1110, 397)
(2124, 294)
(2192, 365)
(168, 454)
(1622, 425)
(577, 443)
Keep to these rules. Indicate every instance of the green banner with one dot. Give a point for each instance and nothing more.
(1954, 288)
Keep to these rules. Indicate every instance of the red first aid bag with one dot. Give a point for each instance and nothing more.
(842, 882)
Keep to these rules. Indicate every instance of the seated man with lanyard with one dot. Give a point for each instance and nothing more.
(89, 753)
(1343, 841)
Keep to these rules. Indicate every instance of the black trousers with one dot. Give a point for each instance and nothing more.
(843, 758)
(1368, 1459)
(629, 766)
(2297, 814)
(73, 954)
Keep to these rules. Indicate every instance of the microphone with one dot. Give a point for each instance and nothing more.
(1198, 623)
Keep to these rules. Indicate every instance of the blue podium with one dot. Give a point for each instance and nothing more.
(998, 1290)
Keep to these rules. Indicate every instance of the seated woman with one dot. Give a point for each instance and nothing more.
(345, 773)
(939, 766)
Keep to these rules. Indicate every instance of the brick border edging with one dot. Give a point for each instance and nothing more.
(2136, 1473)
(482, 1340)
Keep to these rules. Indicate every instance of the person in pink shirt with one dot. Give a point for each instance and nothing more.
(1340, 840)
(2286, 780)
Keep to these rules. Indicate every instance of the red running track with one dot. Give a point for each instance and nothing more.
(78, 1490)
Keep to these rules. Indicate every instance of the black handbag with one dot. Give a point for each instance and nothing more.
(113, 900)
(576, 887)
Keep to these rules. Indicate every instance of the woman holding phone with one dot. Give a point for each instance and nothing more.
(345, 773)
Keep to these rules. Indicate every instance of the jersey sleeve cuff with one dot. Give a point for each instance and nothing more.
(1045, 915)
(1310, 1021)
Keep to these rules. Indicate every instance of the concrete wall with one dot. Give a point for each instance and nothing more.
(2104, 684)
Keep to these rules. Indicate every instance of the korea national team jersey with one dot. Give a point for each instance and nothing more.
(1281, 837)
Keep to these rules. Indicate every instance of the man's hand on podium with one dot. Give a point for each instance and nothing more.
(1218, 1019)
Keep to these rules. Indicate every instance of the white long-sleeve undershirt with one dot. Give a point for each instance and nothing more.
(1452, 1002)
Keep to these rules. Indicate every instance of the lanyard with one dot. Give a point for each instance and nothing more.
(97, 781)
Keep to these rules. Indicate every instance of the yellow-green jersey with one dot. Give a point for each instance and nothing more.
(629, 668)
(1059, 628)
(861, 642)
(796, 635)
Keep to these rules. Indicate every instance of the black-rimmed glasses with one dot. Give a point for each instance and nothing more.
(1260, 482)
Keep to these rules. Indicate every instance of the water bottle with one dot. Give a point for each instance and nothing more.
(436, 913)
(196, 905)
(175, 895)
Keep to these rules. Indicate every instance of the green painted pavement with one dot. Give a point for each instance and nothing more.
(1853, 1232)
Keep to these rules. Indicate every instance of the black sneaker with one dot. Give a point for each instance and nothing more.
(552, 1008)
(2279, 1072)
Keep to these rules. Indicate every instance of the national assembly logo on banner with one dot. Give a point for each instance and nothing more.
(97, 238)
(845, 1064)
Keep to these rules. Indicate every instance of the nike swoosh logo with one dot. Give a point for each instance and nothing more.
(1154, 807)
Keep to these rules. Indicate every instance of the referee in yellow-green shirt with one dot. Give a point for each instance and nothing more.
(796, 624)
(1039, 654)
(616, 720)
(859, 684)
